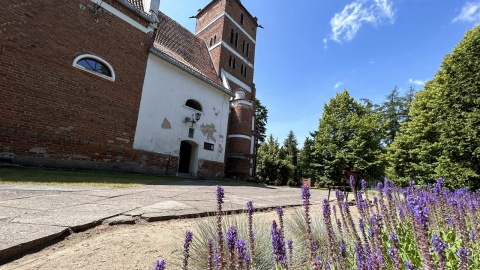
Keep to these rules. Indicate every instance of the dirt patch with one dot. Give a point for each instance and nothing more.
(123, 246)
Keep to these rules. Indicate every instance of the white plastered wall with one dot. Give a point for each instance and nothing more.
(161, 124)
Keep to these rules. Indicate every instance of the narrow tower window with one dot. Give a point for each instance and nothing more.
(234, 63)
(215, 39)
(230, 62)
(241, 70)
(211, 41)
(241, 19)
(231, 36)
(248, 49)
(243, 47)
(236, 40)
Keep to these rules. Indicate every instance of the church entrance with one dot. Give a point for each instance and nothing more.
(188, 158)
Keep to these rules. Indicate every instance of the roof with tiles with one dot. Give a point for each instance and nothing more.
(137, 3)
(185, 48)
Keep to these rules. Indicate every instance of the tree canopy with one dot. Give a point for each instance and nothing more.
(348, 138)
(442, 138)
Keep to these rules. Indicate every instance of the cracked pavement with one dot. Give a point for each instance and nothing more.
(33, 215)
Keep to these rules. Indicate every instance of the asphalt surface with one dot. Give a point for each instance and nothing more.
(31, 216)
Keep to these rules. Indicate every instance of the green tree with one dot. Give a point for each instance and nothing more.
(348, 138)
(306, 159)
(272, 163)
(394, 111)
(261, 119)
(290, 144)
(442, 137)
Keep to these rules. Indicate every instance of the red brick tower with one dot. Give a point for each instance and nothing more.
(229, 31)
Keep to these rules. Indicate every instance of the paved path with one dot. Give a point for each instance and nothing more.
(32, 215)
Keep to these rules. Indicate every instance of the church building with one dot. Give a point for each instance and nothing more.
(118, 85)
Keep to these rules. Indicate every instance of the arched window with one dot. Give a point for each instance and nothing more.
(193, 104)
(95, 65)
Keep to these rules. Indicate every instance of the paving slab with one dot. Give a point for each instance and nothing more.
(49, 202)
(18, 238)
(31, 215)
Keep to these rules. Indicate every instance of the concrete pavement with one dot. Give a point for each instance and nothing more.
(33, 215)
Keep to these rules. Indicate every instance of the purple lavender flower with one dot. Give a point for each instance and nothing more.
(438, 244)
(186, 248)
(340, 196)
(241, 249)
(409, 266)
(278, 244)
(359, 256)
(364, 185)
(250, 207)
(220, 194)
(306, 194)
(280, 216)
(314, 246)
(210, 257)
(464, 254)
(328, 224)
(231, 239)
(290, 253)
(472, 236)
(352, 182)
(160, 265)
(380, 187)
(316, 263)
(343, 249)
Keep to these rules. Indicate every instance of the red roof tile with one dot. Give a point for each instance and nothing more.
(185, 48)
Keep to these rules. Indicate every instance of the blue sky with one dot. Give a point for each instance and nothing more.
(309, 50)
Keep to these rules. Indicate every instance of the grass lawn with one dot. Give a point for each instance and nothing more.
(76, 178)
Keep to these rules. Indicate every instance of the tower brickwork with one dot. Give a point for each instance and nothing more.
(230, 31)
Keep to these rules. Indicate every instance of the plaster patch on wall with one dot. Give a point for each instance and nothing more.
(39, 151)
(208, 130)
(220, 149)
(166, 124)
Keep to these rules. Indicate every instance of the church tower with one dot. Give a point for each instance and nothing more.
(229, 31)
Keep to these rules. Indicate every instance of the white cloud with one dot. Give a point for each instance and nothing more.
(338, 84)
(325, 43)
(416, 82)
(470, 13)
(346, 23)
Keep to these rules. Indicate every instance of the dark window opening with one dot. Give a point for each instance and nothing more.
(245, 72)
(241, 70)
(234, 63)
(231, 37)
(236, 40)
(243, 47)
(215, 39)
(211, 41)
(95, 65)
(248, 49)
(191, 131)
(208, 146)
(230, 62)
(241, 19)
(193, 104)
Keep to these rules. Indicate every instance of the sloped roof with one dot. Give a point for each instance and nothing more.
(137, 3)
(185, 48)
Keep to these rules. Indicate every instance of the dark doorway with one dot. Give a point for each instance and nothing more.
(185, 156)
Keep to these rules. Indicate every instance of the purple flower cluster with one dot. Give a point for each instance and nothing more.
(160, 265)
(278, 244)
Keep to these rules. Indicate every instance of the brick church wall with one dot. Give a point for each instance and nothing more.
(54, 114)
